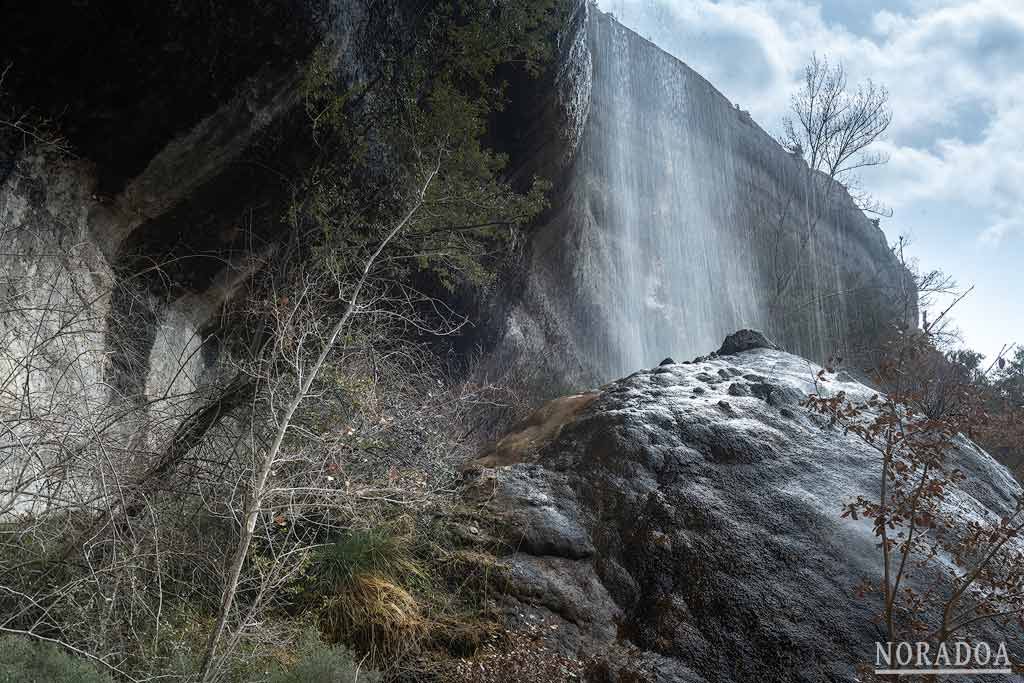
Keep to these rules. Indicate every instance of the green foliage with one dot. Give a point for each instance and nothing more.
(427, 111)
(25, 661)
(370, 590)
(326, 665)
(396, 593)
(385, 550)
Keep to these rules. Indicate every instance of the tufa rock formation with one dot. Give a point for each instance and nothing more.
(685, 526)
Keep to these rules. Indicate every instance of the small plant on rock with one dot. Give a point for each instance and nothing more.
(945, 571)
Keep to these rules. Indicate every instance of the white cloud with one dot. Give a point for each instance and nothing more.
(955, 73)
(953, 70)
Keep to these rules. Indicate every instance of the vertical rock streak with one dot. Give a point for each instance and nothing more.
(683, 220)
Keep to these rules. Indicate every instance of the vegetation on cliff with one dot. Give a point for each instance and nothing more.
(200, 535)
(287, 508)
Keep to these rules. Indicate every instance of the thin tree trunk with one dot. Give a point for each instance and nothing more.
(207, 671)
(886, 555)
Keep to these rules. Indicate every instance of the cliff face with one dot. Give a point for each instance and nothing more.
(681, 220)
(182, 123)
(673, 216)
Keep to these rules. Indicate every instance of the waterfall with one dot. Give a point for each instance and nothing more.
(658, 160)
(681, 221)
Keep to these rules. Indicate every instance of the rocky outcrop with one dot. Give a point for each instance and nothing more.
(685, 526)
(187, 137)
(745, 340)
(539, 429)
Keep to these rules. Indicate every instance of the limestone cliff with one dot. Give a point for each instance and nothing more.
(681, 220)
(185, 128)
(668, 224)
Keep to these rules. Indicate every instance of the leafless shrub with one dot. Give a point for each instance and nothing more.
(158, 525)
(34, 131)
(832, 126)
(945, 572)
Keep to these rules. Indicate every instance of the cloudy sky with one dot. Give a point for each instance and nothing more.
(955, 73)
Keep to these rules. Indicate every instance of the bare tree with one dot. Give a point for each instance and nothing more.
(831, 128)
(36, 130)
(317, 402)
(307, 375)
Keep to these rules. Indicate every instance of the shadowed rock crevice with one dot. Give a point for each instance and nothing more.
(124, 80)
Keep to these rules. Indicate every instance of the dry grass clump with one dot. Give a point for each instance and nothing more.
(367, 583)
(377, 615)
(397, 594)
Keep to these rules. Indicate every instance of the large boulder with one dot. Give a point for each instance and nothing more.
(745, 340)
(685, 526)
